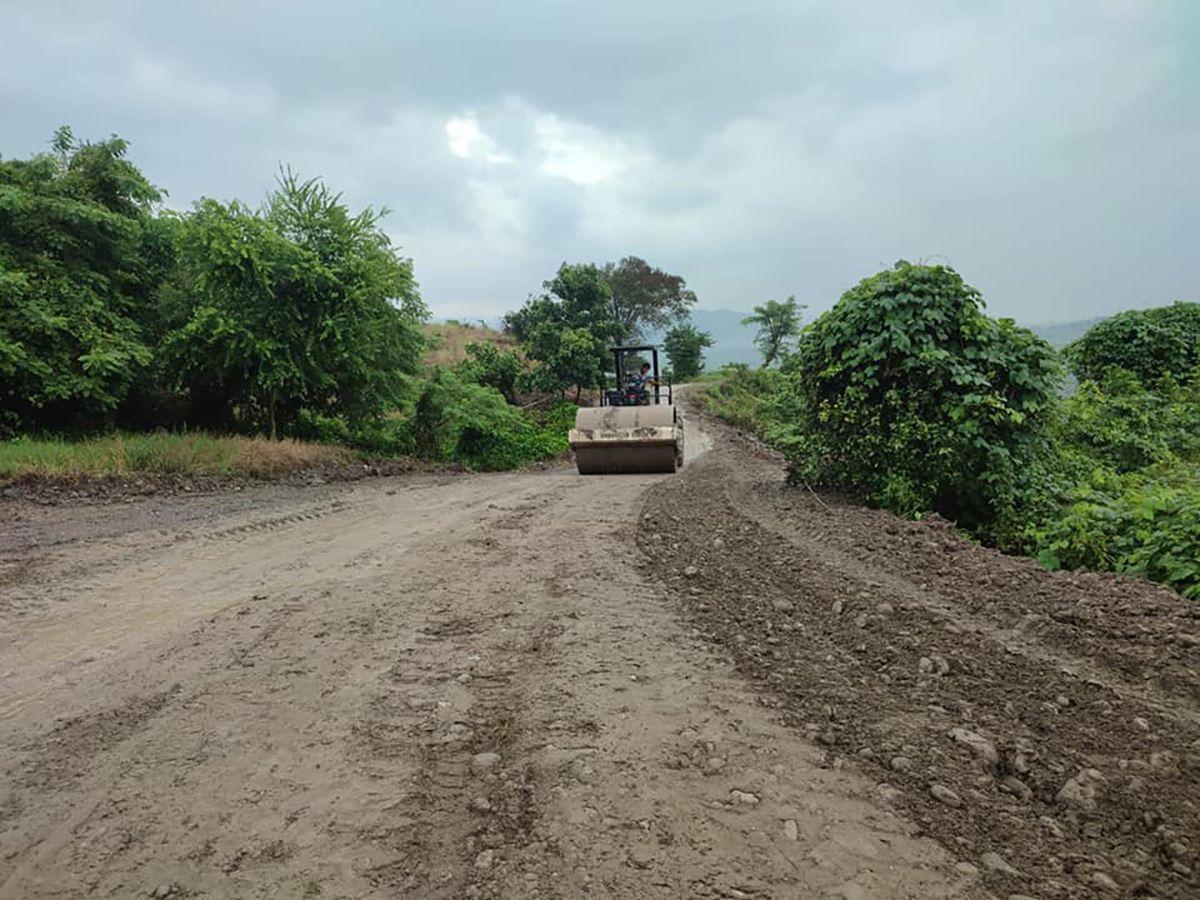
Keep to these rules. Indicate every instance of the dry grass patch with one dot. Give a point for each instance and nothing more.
(448, 341)
(163, 454)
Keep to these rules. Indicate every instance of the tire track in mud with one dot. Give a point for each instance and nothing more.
(471, 799)
(341, 678)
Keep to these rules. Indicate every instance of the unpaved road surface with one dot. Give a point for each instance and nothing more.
(542, 685)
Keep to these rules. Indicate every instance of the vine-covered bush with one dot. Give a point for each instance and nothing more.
(1123, 486)
(1138, 525)
(908, 393)
(1151, 343)
(458, 421)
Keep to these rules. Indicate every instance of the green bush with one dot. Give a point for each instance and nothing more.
(457, 421)
(1133, 524)
(685, 346)
(1122, 425)
(1121, 490)
(1151, 343)
(488, 365)
(907, 393)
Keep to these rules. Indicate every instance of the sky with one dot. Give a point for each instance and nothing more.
(1049, 150)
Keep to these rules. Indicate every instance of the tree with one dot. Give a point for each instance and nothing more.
(1150, 343)
(778, 324)
(81, 259)
(568, 330)
(907, 393)
(644, 297)
(684, 346)
(488, 365)
(300, 306)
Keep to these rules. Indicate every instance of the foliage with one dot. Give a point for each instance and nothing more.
(1152, 343)
(1122, 425)
(81, 257)
(1123, 492)
(778, 324)
(567, 331)
(740, 395)
(488, 365)
(644, 297)
(300, 306)
(457, 421)
(1132, 524)
(907, 392)
(684, 346)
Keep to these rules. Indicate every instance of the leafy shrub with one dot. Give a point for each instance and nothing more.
(457, 421)
(1121, 424)
(488, 365)
(1135, 525)
(1151, 343)
(906, 392)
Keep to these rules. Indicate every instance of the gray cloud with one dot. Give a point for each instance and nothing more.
(760, 149)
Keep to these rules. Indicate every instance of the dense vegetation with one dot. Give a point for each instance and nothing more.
(908, 395)
(296, 319)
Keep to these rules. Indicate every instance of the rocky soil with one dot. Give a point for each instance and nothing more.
(1043, 727)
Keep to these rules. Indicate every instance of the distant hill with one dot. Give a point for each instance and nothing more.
(1063, 333)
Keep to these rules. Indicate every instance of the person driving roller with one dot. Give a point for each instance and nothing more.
(640, 382)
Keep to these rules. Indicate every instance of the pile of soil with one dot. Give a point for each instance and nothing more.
(1045, 727)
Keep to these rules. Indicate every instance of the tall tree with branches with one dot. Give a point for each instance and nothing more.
(645, 297)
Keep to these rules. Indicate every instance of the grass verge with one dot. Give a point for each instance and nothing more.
(163, 454)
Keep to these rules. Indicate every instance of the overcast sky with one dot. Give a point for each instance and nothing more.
(1049, 150)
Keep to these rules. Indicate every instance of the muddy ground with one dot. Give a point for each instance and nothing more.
(541, 685)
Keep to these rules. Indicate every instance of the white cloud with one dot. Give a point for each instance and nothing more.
(467, 140)
(579, 154)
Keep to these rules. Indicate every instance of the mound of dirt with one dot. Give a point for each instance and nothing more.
(1045, 727)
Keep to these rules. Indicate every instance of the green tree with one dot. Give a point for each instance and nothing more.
(300, 306)
(645, 297)
(1151, 343)
(81, 259)
(906, 392)
(567, 331)
(488, 365)
(684, 346)
(778, 323)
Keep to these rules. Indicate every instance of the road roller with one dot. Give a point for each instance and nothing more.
(636, 427)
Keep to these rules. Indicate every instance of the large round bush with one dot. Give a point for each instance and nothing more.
(907, 393)
(1151, 343)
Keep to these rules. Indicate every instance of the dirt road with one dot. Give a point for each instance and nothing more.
(542, 685)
